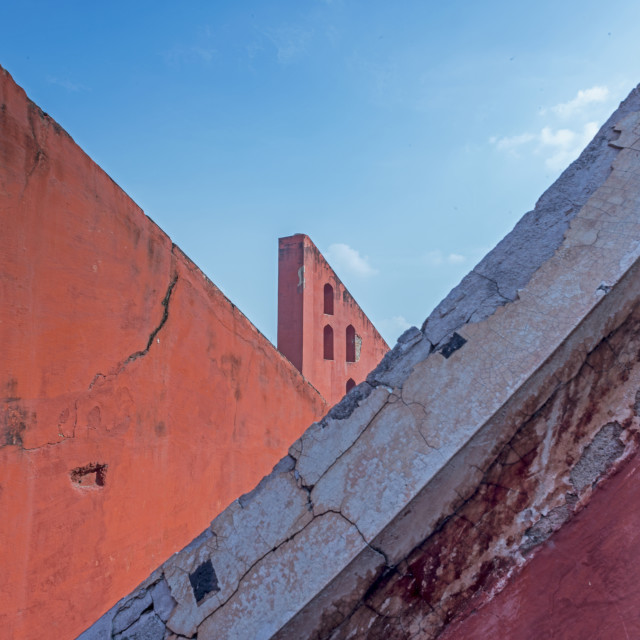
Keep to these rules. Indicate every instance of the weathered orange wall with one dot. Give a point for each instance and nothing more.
(115, 350)
(301, 320)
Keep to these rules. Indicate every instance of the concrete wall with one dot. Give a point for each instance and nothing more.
(306, 312)
(136, 400)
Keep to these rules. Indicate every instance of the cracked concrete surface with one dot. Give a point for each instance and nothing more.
(522, 497)
(431, 483)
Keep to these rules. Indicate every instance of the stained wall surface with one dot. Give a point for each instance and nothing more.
(136, 400)
(321, 328)
(583, 581)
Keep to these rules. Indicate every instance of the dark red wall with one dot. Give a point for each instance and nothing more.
(583, 584)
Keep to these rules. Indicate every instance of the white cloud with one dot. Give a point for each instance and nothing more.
(559, 147)
(583, 98)
(557, 143)
(561, 138)
(204, 53)
(254, 48)
(511, 143)
(565, 144)
(348, 261)
(437, 258)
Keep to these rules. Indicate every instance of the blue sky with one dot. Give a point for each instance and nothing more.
(405, 138)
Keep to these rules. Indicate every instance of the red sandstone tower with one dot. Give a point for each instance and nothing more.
(321, 329)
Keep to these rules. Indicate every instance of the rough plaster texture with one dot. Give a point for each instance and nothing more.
(429, 487)
(581, 584)
(135, 400)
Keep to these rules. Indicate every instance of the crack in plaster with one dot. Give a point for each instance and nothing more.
(63, 437)
(46, 444)
(119, 368)
(40, 155)
(256, 563)
(355, 526)
(140, 594)
(149, 608)
(418, 429)
(324, 473)
(141, 353)
(494, 282)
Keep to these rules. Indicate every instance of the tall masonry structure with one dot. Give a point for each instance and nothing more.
(321, 329)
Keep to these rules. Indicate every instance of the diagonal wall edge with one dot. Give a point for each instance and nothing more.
(366, 485)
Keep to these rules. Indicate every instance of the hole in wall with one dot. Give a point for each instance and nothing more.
(93, 474)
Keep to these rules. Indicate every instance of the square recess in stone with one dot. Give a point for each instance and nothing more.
(203, 581)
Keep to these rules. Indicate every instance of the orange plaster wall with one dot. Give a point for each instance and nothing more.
(184, 422)
(301, 320)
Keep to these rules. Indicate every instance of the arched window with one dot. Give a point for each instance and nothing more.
(328, 343)
(350, 384)
(328, 299)
(351, 344)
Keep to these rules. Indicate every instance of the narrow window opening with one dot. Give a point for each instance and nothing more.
(328, 299)
(350, 384)
(351, 344)
(328, 343)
